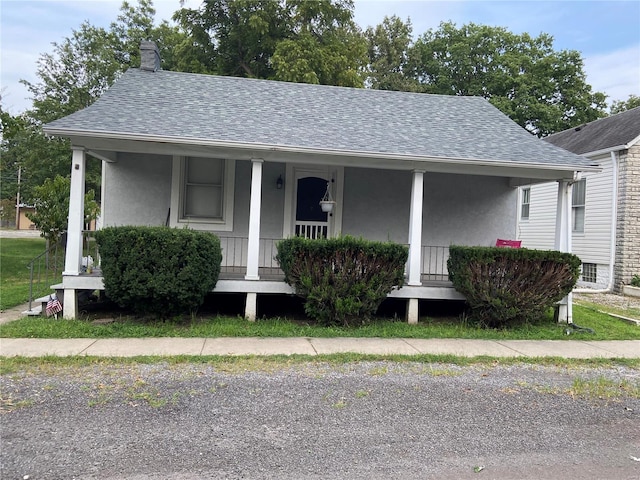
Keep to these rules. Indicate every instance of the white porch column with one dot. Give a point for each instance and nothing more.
(563, 241)
(415, 229)
(253, 248)
(75, 225)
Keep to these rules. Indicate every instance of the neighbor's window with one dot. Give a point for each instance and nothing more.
(524, 206)
(577, 205)
(202, 193)
(589, 272)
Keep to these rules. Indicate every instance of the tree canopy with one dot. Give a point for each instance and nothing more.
(289, 40)
(71, 77)
(541, 89)
(620, 106)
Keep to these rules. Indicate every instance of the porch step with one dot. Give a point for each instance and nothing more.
(37, 307)
(35, 311)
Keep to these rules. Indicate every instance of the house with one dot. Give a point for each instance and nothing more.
(22, 221)
(605, 205)
(251, 159)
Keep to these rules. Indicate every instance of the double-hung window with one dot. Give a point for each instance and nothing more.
(525, 202)
(577, 205)
(202, 193)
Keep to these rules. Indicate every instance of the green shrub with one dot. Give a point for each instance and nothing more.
(158, 270)
(505, 286)
(635, 281)
(341, 279)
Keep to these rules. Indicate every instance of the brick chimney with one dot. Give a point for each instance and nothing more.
(149, 56)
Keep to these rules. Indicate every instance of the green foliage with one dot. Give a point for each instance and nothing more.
(620, 106)
(388, 48)
(127, 326)
(158, 270)
(51, 203)
(635, 281)
(26, 148)
(341, 279)
(15, 255)
(84, 65)
(294, 40)
(541, 89)
(72, 76)
(505, 286)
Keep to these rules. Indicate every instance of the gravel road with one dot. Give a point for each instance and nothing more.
(374, 420)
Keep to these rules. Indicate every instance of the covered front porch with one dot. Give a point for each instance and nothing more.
(249, 265)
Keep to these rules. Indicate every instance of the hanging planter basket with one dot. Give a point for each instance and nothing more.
(327, 203)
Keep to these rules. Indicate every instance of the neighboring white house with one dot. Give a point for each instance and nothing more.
(605, 205)
(250, 160)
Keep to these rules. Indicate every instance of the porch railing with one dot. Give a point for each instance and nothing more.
(234, 255)
(234, 258)
(434, 263)
(45, 270)
(312, 230)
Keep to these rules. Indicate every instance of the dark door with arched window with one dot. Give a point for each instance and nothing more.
(311, 221)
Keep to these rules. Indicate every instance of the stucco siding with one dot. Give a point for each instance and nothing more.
(137, 190)
(272, 205)
(458, 209)
(376, 204)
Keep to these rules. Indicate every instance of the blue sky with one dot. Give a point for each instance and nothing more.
(606, 33)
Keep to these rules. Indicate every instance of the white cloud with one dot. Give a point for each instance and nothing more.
(616, 73)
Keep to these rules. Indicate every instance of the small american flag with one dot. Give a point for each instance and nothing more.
(53, 306)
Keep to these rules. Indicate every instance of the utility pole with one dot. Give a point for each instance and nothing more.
(18, 200)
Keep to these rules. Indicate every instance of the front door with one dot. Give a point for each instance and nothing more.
(310, 220)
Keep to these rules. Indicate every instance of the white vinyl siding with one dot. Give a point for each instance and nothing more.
(539, 230)
(594, 244)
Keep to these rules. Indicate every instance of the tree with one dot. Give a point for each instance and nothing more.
(620, 106)
(543, 90)
(38, 157)
(51, 203)
(388, 49)
(84, 65)
(326, 46)
(294, 40)
(71, 77)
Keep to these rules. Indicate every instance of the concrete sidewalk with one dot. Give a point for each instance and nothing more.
(131, 347)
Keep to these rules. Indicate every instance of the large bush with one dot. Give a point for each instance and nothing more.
(505, 286)
(343, 280)
(158, 270)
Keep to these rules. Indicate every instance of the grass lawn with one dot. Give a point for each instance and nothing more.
(15, 255)
(120, 326)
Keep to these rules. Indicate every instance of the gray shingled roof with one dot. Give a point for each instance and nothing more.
(598, 135)
(173, 105)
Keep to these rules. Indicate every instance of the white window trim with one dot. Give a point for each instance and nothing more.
(583, 207)
(522, 195)
(177, 188)
(337, 173)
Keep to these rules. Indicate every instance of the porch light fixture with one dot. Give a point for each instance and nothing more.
(279, 183)
(327, 202)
